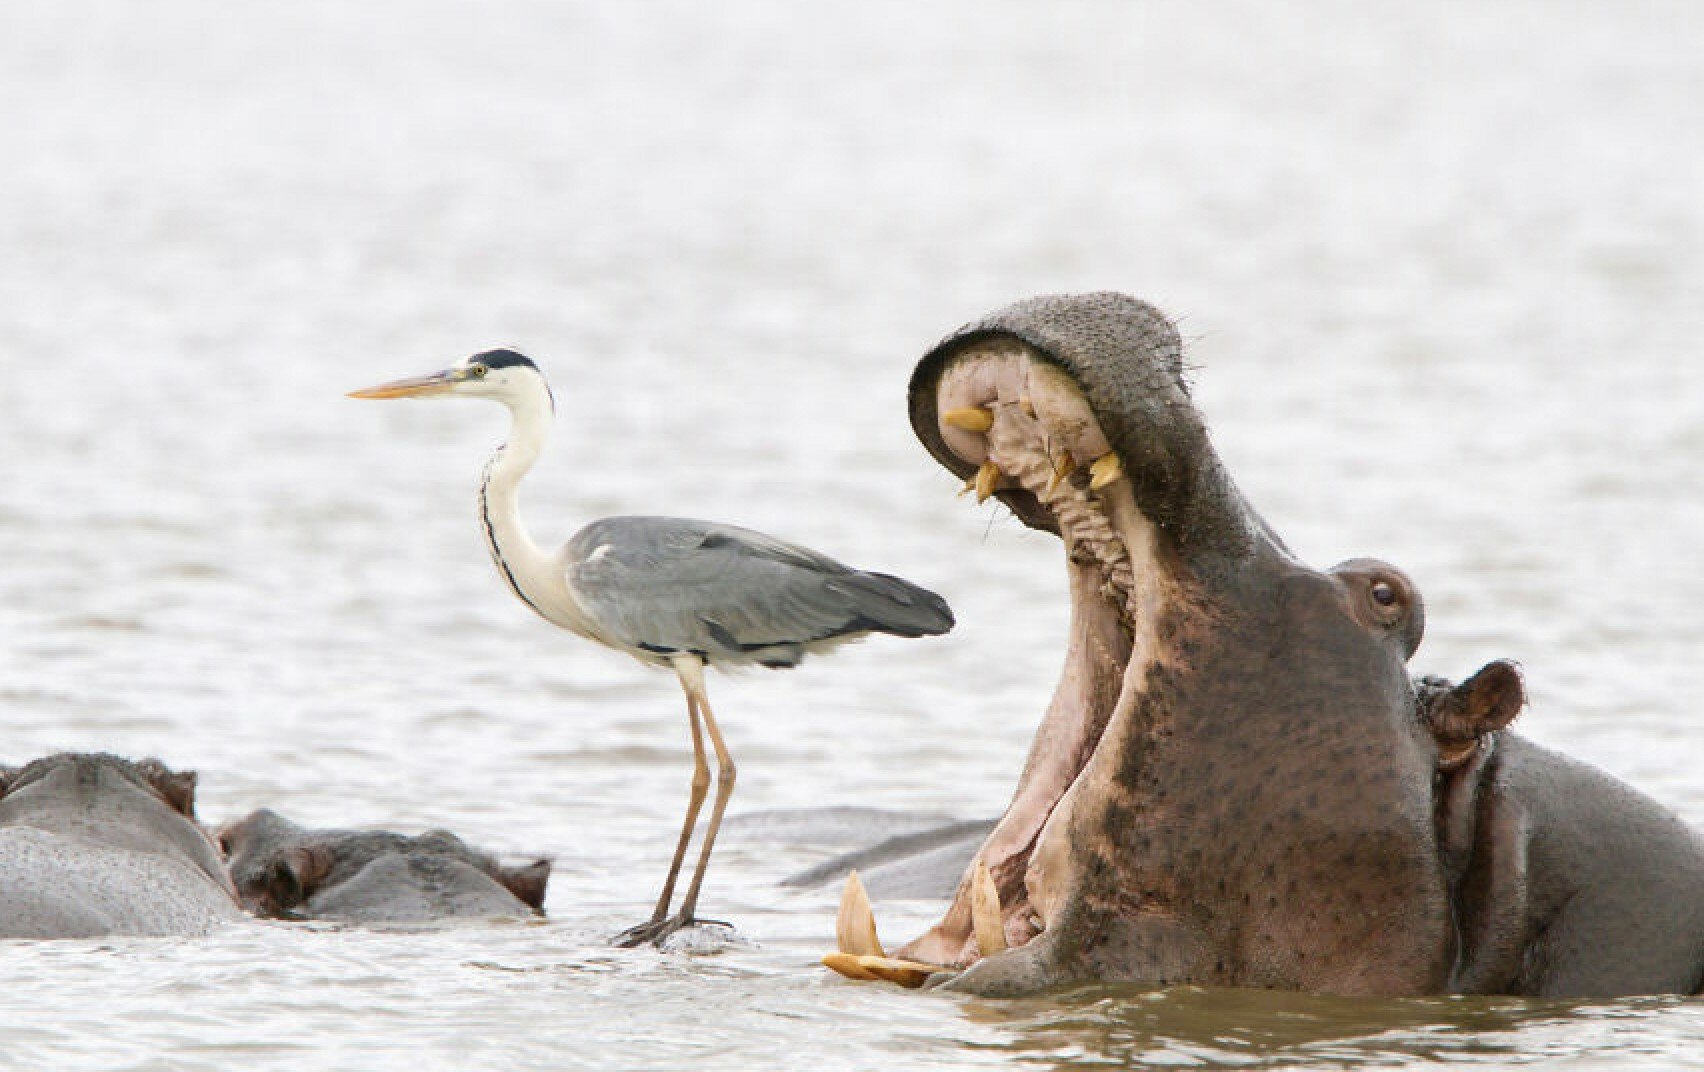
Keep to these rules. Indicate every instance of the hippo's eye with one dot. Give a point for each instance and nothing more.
(1390, 600)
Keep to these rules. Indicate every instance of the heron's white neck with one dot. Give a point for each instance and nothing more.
(527, 569)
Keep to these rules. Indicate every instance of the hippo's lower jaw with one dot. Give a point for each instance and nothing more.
(1025, 425)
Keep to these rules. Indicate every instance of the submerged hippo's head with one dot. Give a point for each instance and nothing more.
(143, 805)
(282, 870)
(1231, 786)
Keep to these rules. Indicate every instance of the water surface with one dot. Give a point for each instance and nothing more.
(1440, 270)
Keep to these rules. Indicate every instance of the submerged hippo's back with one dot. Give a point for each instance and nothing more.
(62, 886)
(401, 889)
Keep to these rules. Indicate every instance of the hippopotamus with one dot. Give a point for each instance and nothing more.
(94, 845)
(282, 870)
(1238, 782)
(1565, 881)
(922, 864)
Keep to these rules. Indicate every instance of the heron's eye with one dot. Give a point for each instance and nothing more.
(477, 371)
(1385, 594)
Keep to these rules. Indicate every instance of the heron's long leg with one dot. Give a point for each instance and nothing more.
(700, 784)
(724, 787)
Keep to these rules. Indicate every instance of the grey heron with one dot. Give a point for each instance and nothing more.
(670, 592)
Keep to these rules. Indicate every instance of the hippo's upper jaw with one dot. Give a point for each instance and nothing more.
(1230, 786)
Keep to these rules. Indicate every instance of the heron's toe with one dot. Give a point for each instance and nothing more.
(651, 932)
(681, 934)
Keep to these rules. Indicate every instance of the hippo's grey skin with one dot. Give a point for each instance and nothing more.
(1567, 882)
(282, 870)
(1232, 786)
(95, 845)
(920, 865)
(898, 853)
(833, 828)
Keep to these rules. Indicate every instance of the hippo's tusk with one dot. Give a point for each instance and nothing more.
(1062, 467)
(910, 974)
(1104, 470)
(969, 418)
(847, 964)
(986, 477)
(855, 926)
(907, 973)
(860, 956)
(987, 919)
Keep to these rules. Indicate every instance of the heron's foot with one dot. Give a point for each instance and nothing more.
(654, 931)
(681, 933)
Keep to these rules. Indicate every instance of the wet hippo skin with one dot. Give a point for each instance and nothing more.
(1237, 782)
(283, 870)
(94, 845)
(1566, 882)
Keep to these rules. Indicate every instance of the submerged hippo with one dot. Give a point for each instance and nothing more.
(282, 870)
(94, 845)
(1566, 882)
(923, 864)
(1235, 783)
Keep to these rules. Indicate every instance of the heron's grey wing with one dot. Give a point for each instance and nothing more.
(668, 585)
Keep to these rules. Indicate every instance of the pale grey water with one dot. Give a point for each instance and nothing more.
(1443, 270)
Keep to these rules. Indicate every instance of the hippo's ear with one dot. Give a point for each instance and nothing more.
(177, 787)
(527, 883)
(294, 876)
(1484, 703)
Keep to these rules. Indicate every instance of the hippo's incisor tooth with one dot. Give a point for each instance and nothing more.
(969, 418)
(986, 919)
(855, 926)
(986, 478)
(1062, 467)
(1104, 470)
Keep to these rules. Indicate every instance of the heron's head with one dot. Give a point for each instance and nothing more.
(504, 375)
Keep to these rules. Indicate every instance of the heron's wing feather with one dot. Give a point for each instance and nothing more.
(672, 584)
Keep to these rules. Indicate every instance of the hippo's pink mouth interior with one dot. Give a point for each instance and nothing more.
(1025, 424)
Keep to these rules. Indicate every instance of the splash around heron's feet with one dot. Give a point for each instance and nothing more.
(682, 934)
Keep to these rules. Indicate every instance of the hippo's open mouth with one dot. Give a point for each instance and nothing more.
(1026, 427)
(1018, 425)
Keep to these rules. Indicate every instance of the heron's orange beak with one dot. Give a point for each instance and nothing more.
(413, 387)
